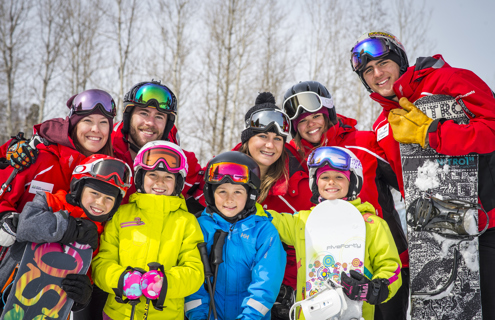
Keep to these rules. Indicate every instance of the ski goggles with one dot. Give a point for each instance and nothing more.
(86, 101)
(368, 48)
(171, 159)
(238, 173)
(336, 158)
(309, 101)
(263, 120)
(161, 96)
(106, 170)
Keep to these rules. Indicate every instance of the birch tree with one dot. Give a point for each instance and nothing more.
(13, 41)
(51, 23)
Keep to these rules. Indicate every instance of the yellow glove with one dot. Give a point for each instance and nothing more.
(409, 125)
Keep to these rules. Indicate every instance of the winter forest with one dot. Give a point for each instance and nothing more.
(216, 55)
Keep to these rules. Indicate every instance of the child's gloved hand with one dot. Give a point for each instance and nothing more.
(82, 231)
(358, 287)
(8, 229)
(151, 284)
(132, 284)
(79, 288)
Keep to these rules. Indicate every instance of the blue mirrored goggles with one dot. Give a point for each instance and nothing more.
(368, 48)
(336, 158)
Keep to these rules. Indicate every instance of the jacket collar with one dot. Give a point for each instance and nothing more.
(153, 202)
(246, 223)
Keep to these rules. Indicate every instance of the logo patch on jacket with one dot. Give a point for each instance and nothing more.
(136, 222)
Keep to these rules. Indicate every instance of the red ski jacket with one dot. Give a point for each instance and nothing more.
(51, 172)
(194, 175)
(378, 175)
(432, 75)
(289, 196)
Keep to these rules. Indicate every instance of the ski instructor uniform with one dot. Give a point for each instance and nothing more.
(434, 76)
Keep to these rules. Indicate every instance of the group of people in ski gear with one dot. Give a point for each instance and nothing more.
(145, 205)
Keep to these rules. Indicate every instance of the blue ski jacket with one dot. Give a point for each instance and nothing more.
(249, 279)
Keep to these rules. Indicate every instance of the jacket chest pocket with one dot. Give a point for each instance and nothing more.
(134, 242)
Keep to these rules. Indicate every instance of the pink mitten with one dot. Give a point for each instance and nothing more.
(151, 284)
(132, 284)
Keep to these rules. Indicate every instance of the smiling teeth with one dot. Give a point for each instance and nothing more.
(94, 138)
(147, 132)
(97, 210)
(383, 81)
(313, 131)
(267, 153)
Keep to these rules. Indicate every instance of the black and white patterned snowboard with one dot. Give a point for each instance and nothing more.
(432, 260)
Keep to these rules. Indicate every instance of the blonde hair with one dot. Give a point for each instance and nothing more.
(276, 171)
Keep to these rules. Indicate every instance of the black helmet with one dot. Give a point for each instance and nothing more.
(214, 176)
(376, 45)
(308, 86)
(167, 104)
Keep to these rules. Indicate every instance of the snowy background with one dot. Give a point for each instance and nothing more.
(216, 55)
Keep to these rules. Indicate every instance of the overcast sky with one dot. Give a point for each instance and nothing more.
(464, 35)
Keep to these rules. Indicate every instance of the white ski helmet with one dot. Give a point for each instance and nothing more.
(161, 155)
(340, 159)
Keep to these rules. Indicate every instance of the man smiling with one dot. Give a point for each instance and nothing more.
(150, 109)
(380, 61)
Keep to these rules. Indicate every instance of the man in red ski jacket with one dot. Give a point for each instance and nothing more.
(380, 61)
(143, 122)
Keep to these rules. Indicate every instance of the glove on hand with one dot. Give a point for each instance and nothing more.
(409, 125)
(21, 155)
(132, 284)
(151, 284)
(82, 231)
(78, 287)
(8, 228)
(358, 287)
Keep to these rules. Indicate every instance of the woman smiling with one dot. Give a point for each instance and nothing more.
(284, 182)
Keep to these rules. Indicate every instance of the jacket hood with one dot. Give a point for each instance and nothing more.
(152, 202)
(363, 207)
(56, 131)
(407, 84)
(412, 78)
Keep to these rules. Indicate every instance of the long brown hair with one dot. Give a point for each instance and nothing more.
(276, 171)
(106, 150)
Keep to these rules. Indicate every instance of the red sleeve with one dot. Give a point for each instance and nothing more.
(3, 149)
(194, 178)
(478, 102)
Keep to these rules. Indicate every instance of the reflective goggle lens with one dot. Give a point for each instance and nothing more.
(237, 172)
(374, 47)
(264, 118)
(153, 156)
(150, 91)
(88, 100)
(108, 169)
(308, 100)
(336, 158)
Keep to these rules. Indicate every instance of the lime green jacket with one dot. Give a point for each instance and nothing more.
(151, 228)
(381, 258)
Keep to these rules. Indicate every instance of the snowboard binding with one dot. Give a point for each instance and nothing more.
(329, 303)
(454, 219)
